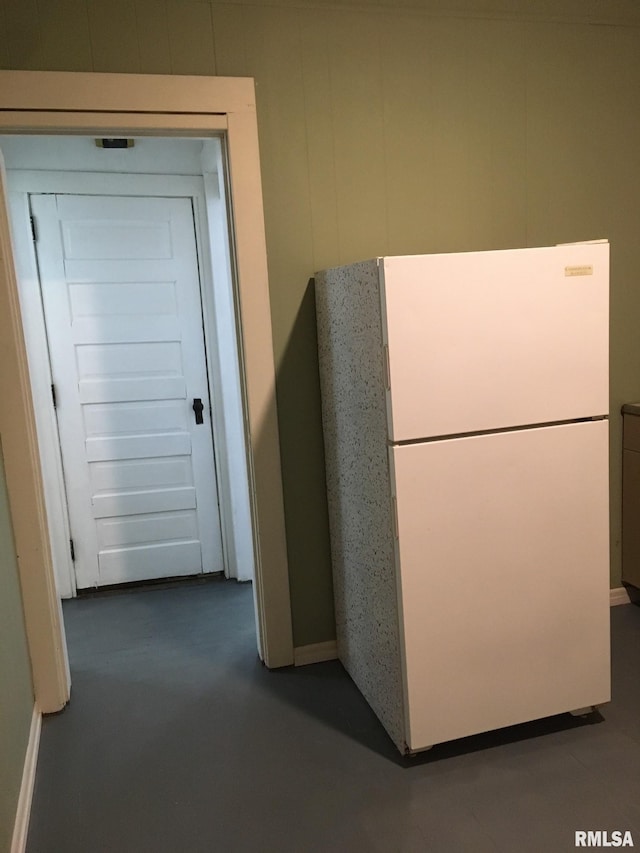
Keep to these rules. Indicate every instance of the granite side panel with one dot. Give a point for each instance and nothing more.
(358, 486)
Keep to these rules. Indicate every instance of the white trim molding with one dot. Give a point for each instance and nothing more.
(315, 653)
(318, 652)
(25, 798)
(619, 595)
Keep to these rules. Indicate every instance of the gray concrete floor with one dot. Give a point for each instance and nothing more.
(177, 740)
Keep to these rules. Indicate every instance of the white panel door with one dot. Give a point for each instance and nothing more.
(484, 340)
(503, 577)
(121, 295)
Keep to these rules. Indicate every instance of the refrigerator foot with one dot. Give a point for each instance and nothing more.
(580, 712)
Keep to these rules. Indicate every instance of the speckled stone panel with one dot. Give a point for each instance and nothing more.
(358, 486)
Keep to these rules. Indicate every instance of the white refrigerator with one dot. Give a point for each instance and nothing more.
(465, 416)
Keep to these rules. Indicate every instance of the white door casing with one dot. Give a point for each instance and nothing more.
(122, 303)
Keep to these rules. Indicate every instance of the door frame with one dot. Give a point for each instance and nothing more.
(155, 105)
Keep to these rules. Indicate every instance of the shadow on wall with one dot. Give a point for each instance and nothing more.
(303, 474)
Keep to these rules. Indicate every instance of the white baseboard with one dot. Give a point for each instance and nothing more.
(23, 812)
(315, 653)
(619, 595)
(318, 652)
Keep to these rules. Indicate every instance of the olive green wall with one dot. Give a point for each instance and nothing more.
(389, 128)
(16, 693)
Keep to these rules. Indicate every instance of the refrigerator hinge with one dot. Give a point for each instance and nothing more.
(387, 368)
(72, 550)
(394, 517)
(34, 229)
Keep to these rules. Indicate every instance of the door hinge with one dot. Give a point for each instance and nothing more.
(34, 229)
(72, 550)
(53, 397)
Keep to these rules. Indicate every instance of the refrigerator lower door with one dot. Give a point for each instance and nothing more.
(503, 556)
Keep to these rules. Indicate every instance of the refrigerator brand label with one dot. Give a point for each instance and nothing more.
(586, 269)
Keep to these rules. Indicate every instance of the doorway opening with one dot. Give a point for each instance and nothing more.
(128, 106)
(126, 286)
(124, 271)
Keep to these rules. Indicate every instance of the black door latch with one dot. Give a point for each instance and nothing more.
(197, 408)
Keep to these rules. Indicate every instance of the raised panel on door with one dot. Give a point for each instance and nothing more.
(485, 340)
(121, 294)
(503, 577)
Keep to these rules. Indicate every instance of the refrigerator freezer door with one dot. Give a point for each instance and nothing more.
(484, 340)
(503, 578)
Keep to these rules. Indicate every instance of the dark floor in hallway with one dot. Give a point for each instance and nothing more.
(177, 740)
